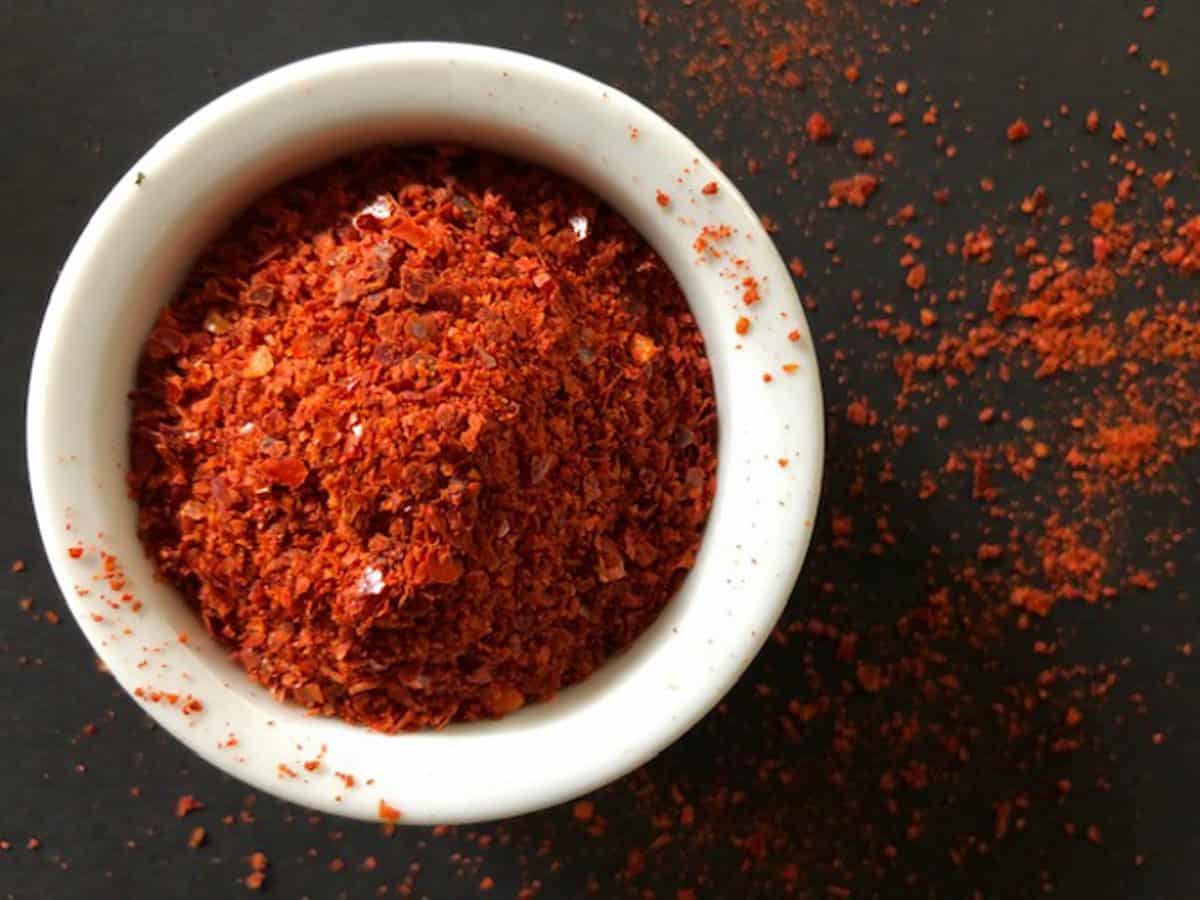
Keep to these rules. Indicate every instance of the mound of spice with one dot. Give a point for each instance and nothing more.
(425, 436)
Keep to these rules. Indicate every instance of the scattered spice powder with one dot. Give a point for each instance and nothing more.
(418, 448)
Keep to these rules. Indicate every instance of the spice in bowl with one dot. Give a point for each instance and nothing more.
(427, 435)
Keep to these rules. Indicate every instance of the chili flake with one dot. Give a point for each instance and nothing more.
(443, 456)
(387, 812)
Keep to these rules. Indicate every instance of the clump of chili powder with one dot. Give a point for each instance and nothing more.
(425, 436)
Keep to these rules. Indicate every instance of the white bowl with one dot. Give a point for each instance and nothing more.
(133, 254)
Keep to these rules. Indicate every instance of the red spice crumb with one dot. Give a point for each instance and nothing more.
(662, 198)
(1118, 132)
(32, 844)
(387, 812)
(186, 804)
(1073, 717)
(783, 463)
(854, 191)
(255, 880)
(1148, 12)
(258, 861)
(870, 677)
(710, 188)
(794, 335)
(584, 810)
(1093, 835)
(1092, 121)
(486, 883)
(818, 128)
(902, 88)
(1160, 67)
(790, 368)
(767, 378)
(916, 277)
(1158, 738)
(18, 565)
(796, 267)
(864, 147)
(742, 326)
(859, 413)
(850, 73)
(75, 552)
(1018, 131)
(986, 415)
(750, 294)
(197, 838)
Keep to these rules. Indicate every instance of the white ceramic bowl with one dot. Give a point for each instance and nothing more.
(131, 257)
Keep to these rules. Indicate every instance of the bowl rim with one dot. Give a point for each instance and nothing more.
(549, 752)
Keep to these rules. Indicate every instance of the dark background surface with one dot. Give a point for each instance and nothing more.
(85, 87)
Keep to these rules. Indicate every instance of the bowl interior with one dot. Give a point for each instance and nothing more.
(129, 262)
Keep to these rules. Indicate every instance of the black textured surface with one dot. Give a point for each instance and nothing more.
(85, 87)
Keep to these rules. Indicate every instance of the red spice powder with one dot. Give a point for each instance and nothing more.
(1018, 131)
(853, 191)
(818, 128)
(426, 436)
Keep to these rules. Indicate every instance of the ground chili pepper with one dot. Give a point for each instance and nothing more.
(426, 436)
